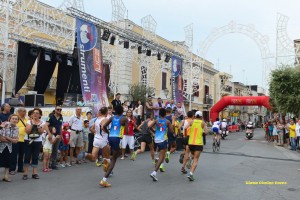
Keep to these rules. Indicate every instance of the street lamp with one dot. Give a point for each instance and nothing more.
(166, 92)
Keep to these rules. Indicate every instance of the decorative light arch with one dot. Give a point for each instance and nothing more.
(261, 40)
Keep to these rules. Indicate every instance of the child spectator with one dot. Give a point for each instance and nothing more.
(64, 146)
(85, 133)
(48, 140)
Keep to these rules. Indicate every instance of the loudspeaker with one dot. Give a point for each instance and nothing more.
(33, 100)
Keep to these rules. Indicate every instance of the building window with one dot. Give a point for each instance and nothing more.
(144, 75)
(196, 94)
(163, 80)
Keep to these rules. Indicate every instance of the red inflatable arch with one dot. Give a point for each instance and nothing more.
(239, 101)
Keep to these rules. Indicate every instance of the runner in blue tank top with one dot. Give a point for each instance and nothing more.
(114, 139)
(161, 139)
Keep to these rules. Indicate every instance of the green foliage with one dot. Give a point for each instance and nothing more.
(285, 89)
(139, 91)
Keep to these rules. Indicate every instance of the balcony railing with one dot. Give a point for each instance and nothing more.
(208, 100)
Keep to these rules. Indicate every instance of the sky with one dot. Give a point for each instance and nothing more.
(234, 53)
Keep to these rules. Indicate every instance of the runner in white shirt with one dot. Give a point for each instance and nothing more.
(100, 140)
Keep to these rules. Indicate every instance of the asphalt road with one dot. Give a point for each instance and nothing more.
(219, 176)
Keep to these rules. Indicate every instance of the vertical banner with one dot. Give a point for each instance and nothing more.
(177, 81)
(92, 75)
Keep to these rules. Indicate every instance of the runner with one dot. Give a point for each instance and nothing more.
(100, 140)
(161, 139)
(186, 133)
(147, 138)
(171, 136)
(198, 128)
(114, 139)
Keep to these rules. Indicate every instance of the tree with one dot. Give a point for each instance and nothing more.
(139, 91)
(285, 89)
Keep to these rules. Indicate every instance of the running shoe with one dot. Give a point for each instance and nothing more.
(153, 162)
(68, 165)
(62, 165)
(98, 163)
(183, 171)
(154, 177)
(122, 158)
(106, 164)
(111, 174)
(191, 177)
(104, 183)
(167, 158)
(181, 158)
(189, 164)
(133, 156)
(162, 168)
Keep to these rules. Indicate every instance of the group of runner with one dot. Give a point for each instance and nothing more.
(109, 131)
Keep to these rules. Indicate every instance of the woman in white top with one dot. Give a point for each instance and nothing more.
(33, 142)
(100, 140)
(139, 111)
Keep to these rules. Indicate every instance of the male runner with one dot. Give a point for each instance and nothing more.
(114, 139)
(100, 140)
(198, 127)
(186, 133)
(161, 139)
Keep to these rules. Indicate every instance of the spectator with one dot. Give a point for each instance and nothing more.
(280, 127)
(33, 142)
(180, 110)
(85, 132)
(5, 112)
(125, 107)
(8, 134)
(64, 147)
(55, 120)
(298, 134)
(157, 107)
(292, 130)
(18, 154)
(17, 96)
(116, 102)
(139, 112)
(76, 135)
(48, 140)
(81, 102)
(149, 107)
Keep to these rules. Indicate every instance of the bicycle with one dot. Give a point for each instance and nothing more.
(216, 145)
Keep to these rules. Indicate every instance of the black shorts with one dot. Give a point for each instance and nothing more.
(185, 140)
(147, 139)
(195, 148)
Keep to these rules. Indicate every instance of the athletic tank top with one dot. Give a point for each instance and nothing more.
(161, 132)
(99, 133)
(145, 128)
(196, 133)
(115, 130)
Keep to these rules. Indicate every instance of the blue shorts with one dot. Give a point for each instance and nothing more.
(216, 130)
(171, 138)
(114, 143)
(63, 147)
(162, 145)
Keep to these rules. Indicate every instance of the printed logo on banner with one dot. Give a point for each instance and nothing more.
(87, 38)
(176, 68)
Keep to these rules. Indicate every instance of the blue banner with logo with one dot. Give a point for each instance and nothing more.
(177, 81)
(92, 76)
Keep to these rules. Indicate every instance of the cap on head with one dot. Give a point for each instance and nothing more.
(224, 120)
(66, 124)
(198, 113)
